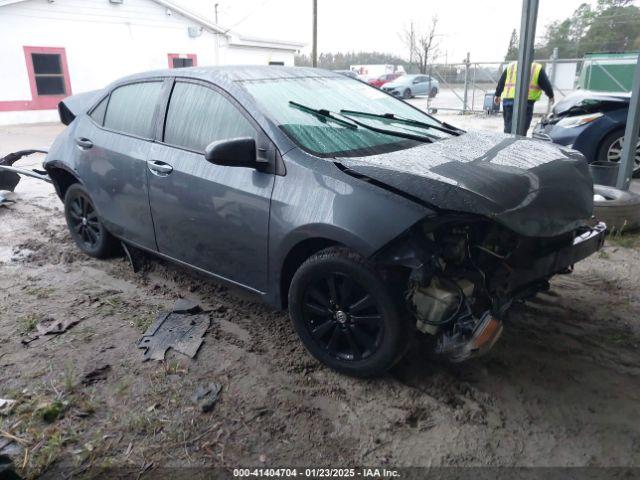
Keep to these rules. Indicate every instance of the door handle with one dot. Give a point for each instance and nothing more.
(159, 168)
(84, 143)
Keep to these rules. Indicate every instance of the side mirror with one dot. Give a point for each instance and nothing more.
(237, 152)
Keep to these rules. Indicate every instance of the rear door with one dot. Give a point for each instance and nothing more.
(114, 145)
(212, 217)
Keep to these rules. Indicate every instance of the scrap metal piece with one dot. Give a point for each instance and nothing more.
(181, 329)
(10, 176)
(133, 255)
(184, 305)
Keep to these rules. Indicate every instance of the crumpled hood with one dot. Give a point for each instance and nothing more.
(586, 101)
(534, 188)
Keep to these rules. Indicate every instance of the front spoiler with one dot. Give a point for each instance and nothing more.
(10, 175)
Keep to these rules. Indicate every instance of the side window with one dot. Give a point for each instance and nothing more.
(198, 115)
(131, 108)
(99, 110)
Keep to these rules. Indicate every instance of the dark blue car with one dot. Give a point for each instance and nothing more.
(590, 122)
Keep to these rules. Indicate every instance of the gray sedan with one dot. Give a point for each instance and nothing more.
(408, 86)
(364, 216)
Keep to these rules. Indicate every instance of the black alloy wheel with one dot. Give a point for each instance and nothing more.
(84, 224)
(343, 317)
(346, 315)
(84, 221)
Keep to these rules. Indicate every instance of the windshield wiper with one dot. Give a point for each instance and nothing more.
(408, 121)
(353, 123)
(321, 112)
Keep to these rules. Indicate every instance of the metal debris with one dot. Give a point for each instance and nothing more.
(181, 329)
(206, 396)
(135, 256)
(10, 175)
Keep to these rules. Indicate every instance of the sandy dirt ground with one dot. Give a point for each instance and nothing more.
(561, 388)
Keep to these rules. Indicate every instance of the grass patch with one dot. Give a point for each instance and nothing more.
(27, 323)
(625, 240)
(143, 321)
(51, 412)
(40, 292)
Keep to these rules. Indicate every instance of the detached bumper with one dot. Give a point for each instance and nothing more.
(10, 175)
(558, 261)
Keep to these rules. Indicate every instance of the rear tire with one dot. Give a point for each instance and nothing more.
(433, 92)
(85, 226)
(345, 314)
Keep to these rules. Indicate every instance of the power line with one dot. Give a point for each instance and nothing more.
(248, 15)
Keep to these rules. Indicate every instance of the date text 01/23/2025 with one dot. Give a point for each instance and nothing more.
(374, 473)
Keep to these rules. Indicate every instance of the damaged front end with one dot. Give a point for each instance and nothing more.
(463, 273)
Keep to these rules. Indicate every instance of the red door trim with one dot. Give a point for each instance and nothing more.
(39, 102)
(192, 56)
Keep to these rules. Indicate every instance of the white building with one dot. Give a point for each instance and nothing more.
(50, 49)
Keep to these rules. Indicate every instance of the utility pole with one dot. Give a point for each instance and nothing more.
(467, 64)
(629, 145)
(525, 59)
(314, 46)
(216, 10)
(554, 64)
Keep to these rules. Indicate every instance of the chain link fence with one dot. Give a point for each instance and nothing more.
(464, 86)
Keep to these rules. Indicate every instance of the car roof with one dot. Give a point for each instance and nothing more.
(236, 73)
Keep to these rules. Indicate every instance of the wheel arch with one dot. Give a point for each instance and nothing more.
(61, 176)
(295, 257)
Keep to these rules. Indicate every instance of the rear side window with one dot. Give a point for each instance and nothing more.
(131, 108)
(98, 112)
(198, 116)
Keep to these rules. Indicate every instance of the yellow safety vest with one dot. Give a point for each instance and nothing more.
(535, 92)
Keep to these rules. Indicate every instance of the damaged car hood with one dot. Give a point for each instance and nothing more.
(534, 188)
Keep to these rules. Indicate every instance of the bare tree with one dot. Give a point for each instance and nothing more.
(422, 45)
(408, 37)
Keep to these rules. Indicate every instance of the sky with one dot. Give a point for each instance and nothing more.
(480, 27)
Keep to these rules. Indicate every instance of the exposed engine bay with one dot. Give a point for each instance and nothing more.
(465, 272)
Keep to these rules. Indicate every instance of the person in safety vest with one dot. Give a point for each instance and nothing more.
(506, 90)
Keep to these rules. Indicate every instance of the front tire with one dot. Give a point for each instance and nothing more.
(345, 314)
(407, 94)
(610, 150)
(85, 226)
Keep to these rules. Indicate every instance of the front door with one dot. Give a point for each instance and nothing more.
(113, 145)
(212, 217)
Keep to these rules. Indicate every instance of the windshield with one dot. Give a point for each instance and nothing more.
(327, 138)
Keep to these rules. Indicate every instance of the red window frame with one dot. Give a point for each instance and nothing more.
(40, 102)
(192, 56)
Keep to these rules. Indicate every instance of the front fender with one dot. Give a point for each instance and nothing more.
(316, 200)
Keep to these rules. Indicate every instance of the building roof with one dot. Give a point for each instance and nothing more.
(235, 39)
